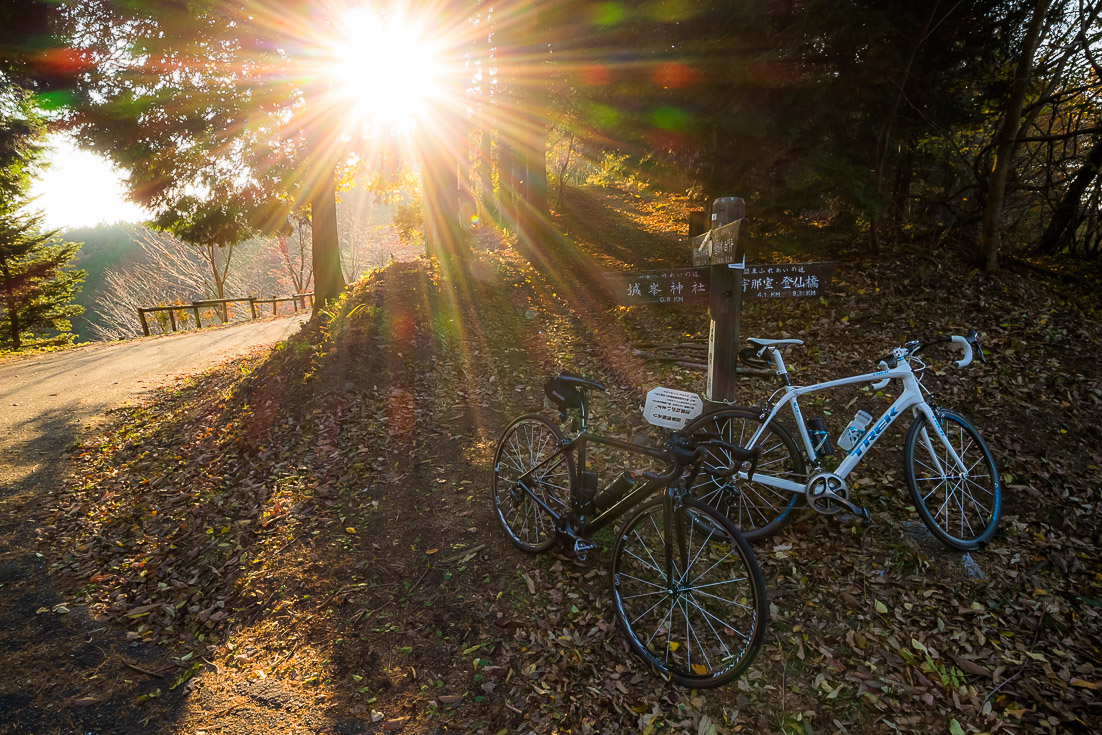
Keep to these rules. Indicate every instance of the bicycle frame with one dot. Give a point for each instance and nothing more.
(602, 519)
(911, 399)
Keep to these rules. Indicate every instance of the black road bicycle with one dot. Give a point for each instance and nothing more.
(687, 590)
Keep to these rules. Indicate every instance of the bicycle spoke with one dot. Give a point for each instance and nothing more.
(643, 581)
(644, 594)
(692, 526)
(718, 619)
(665, 617)
(703, 649)
(721, 599)
(688, 640)
(699, 576)
(653, 563)
(647, 611)
(643, 561)
(718, 638)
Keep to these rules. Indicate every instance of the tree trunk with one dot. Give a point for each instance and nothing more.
(321, 195)
(325, 247)
(485, 125)
(13, 323)
(509, 183)
(1006, 142)
(901, 193)
(886, 132)
(1061, 228)
(534, 209)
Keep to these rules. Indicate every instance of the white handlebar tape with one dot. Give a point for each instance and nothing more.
(965, 348)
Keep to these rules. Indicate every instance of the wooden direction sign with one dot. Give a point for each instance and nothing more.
(722, 277)
(667, 286)
(787, 280)
(678, 285)
(719, 246)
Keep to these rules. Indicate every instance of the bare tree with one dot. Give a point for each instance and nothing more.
(294, 252)
(170, 272)
(368, 236)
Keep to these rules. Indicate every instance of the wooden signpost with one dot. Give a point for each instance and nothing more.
(721, 275)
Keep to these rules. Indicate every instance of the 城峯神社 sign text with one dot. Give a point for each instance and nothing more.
(677, 285)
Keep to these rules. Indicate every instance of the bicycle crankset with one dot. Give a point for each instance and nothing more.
(827, 494)
(573, 544)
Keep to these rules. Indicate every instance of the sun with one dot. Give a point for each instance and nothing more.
(385, 69)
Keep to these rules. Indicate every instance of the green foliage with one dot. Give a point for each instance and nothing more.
(611, 169)
(409, 221)
(36, 290)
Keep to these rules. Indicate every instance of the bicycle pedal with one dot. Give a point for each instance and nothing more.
(859, 514)
(583, 547)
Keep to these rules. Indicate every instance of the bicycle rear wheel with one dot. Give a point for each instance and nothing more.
(961, 509)
(527, 442)
(755, 509)
(688, 593)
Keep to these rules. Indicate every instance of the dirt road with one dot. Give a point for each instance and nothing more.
(45, 402)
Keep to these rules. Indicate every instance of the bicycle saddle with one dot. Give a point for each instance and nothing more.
(579, 381)
(565, 390)
(773, 342)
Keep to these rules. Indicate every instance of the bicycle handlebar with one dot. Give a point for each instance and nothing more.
(969, 345)
(739, 455)
(966, 348)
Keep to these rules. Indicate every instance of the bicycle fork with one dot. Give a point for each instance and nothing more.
(677, 549)
(931, 417)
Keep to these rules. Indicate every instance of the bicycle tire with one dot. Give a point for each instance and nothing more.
(719, 559)
(755, 509)
(931, 486)
(526, 442)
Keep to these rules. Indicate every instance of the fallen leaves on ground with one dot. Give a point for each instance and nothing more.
(315, 523)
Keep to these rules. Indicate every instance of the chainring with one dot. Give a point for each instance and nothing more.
(821, 488)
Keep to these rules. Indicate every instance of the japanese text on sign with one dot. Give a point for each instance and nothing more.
(786, 280)
(672, 408)
(676, 285)
(669, 286)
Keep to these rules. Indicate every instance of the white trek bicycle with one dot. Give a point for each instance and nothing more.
(949, 469)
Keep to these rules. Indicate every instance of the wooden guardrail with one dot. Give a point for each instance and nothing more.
(297, 300)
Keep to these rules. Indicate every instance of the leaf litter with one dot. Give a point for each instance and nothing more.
(307, 531)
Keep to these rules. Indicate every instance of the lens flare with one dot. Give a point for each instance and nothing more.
(385, 69)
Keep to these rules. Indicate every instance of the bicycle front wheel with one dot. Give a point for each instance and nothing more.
(756, 509)
(688, 593)
(960, 505)
(528, 443)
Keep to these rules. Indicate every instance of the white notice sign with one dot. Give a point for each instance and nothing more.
(672, 408)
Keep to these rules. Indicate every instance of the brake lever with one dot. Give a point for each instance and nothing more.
(973, 338)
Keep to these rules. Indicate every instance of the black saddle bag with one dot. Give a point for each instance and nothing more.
(563, 394)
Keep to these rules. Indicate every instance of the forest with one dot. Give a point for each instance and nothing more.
(876, 122)
(314, 536)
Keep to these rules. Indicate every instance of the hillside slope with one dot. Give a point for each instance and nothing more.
(307, 537)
